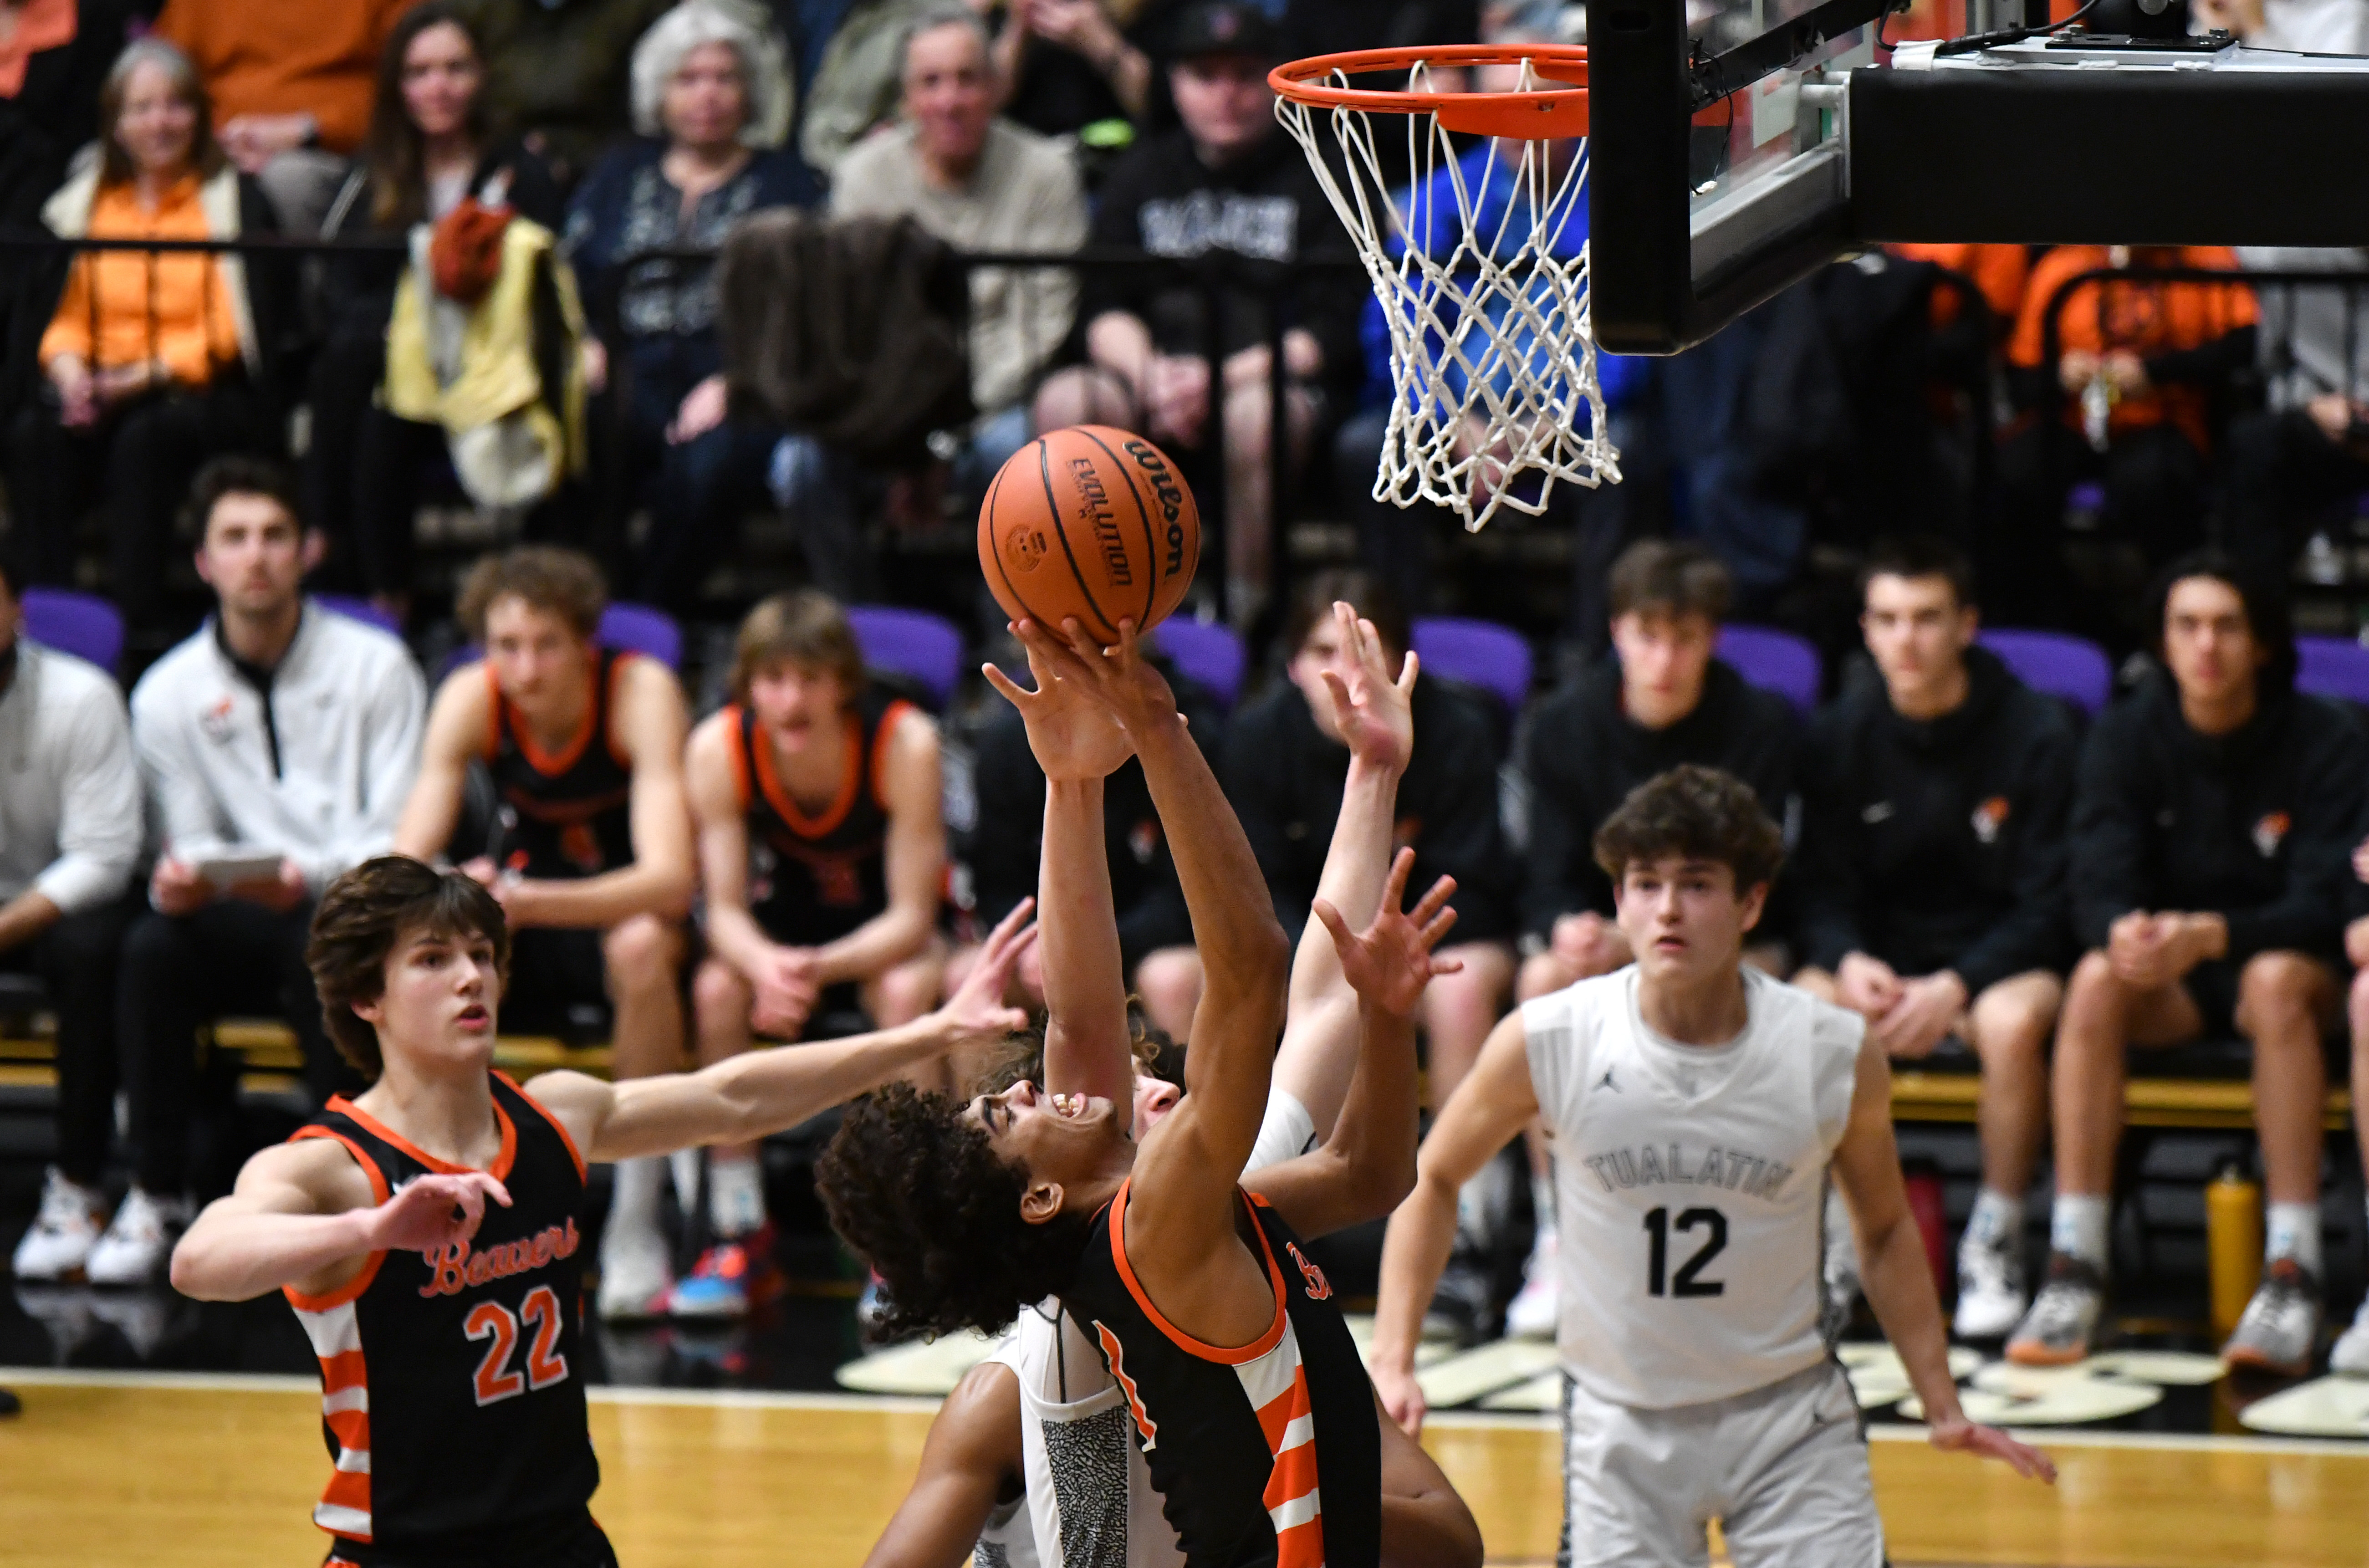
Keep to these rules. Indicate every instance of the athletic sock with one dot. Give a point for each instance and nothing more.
(736, 1198)
(2293, 1232)
(2076, 1227)
(634, 1201)
(684, 1163)
(1996, 1219)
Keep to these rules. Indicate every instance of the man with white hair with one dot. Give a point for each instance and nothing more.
(979, 183)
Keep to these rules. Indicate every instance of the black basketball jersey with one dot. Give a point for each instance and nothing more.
(451, 1383)
(563, 814)
(814, 879)
(1268, 1454)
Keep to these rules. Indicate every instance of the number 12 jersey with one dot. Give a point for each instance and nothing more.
(1690, 1186)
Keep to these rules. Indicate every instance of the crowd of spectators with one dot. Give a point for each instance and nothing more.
(527, 310)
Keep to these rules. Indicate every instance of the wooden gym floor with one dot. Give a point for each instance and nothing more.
(204, 1471)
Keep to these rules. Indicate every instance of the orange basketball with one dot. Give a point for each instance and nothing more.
(1092, 522)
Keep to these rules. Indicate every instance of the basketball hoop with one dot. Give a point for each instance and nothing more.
(1480, 266)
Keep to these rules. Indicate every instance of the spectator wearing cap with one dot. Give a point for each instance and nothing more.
(979, 183)
(151, 363)
(700, 164)
(291, 82)
(69, 842)
(1226, 179)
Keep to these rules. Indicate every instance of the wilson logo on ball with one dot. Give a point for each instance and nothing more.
(1170, 494)
(1026, 547)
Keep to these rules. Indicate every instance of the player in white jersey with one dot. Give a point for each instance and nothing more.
(1697, 1108)
(1032, 1461)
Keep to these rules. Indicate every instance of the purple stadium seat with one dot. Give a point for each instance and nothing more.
(1774, 662)
(638, 628)
(2332, 667)
(80, 623)
(925, 648)
(360, 609)
(1207, 652)
(1479, 653)
(2073, 667)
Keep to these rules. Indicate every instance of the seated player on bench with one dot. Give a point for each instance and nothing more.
(426, 1231)
(1271, 1448)
(589, 849)
(816, 798)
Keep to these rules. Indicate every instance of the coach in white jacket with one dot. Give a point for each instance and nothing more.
(279, 732)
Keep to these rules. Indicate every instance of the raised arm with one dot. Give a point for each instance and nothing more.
(456, 732)
(766, 1091)
(916, 862)
(970, 1463)
(1078, 743)
(1896, 1277)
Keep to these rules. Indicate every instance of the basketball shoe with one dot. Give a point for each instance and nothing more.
(64, 1232)
(2063, 1319)
(2280, 1329)
(2351, 1356)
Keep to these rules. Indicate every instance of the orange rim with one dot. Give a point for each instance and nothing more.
(1542, 114)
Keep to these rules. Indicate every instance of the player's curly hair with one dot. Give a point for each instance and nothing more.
(1697, 813)
(919, 1194)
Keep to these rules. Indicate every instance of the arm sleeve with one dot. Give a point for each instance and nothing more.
(2107, 845)
(1826, 883)
(180, 803)
(2317, 851)
(2031, 934)
(98, 835)
(394, 729)
(1559, 841)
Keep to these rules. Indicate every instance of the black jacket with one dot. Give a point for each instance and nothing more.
(1939, 843)
(357, 292)
(2257, 826)
(1285, 780)
(1585, 756)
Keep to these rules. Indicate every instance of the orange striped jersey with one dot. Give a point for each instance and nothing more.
(452, 1382)
(812, 880)
(565, 814)
(1264, 1455)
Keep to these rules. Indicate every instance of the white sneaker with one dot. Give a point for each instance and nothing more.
(2351, 1356)
(634, 1277)
(1532, 1313)
(2279, 1329)
(1991, 1296)
(62, 1233)
(138, 1240)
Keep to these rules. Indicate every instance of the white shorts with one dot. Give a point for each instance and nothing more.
(1783, 1469)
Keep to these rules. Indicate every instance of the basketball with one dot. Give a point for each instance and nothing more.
(1092, 522)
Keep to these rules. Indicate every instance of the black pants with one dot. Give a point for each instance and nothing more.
(138, 461)
(75, 959)
(180, 973)
(697, 490)
(2283, 474)
(2154, 485)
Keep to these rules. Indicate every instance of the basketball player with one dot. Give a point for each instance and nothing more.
(816, 800)
(589, 851)
(1699, 1108)
(426, 1230)
(1031, 1460)
(1253, 1414)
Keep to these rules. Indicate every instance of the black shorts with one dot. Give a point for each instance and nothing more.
(2212, 986)
(575, 1544)
(557, 976)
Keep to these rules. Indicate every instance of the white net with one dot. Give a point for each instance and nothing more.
(1479, 263)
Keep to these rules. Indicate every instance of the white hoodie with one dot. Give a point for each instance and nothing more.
(316, 770)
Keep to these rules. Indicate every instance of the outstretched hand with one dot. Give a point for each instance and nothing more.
(1372, 709)
(1389, 962)
(1117, 678)
(429, 1213)
(977, 1009)
(1074, 737)
(1962, 1435)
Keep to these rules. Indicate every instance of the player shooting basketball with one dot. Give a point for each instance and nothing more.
(427, 1230)
(1255, 1416)
(1699, 1108)
(1033, 1457)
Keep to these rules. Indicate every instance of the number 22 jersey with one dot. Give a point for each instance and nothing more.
(451, 1394)
(1689, 1187)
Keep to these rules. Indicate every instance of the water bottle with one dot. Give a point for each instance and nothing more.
(2233, 1246)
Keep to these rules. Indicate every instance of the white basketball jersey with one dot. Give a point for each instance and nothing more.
(1689, 1187)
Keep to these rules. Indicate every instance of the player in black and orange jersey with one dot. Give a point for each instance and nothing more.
(589, 848)
(1249, 1404)
(426, 1231)
(816, 800)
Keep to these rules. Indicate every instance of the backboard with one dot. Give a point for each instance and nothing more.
(1732, 155)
